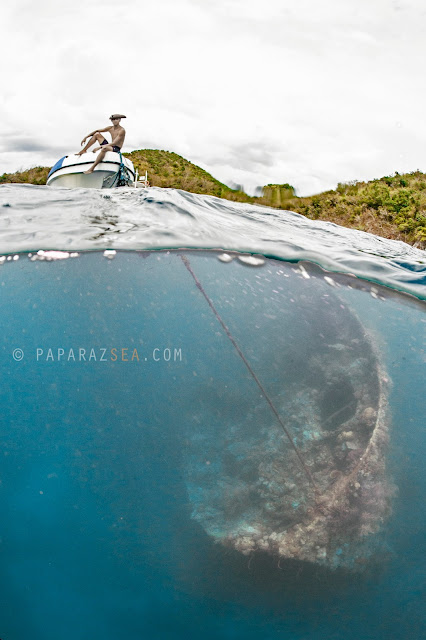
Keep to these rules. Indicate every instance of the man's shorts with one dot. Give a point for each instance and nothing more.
(114, 148)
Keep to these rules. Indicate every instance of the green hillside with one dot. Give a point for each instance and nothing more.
(168, 169)
(391, 207)
(36, 175)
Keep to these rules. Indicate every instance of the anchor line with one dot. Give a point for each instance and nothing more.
(255, 378)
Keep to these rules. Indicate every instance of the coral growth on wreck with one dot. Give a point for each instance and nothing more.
(325, 502)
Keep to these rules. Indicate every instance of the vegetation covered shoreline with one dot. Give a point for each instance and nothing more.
(391, 207)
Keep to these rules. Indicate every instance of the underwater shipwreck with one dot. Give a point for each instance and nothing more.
(277, 411)
(301, 474)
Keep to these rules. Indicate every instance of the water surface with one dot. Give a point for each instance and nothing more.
(99, 536)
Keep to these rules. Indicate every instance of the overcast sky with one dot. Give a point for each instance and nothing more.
(310, 92)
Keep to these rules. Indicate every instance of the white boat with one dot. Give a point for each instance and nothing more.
(113, 170)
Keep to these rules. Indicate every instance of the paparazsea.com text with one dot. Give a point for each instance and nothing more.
(103, 354)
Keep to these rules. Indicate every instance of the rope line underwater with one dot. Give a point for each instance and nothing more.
(252, 373)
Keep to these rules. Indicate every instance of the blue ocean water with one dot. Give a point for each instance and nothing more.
(119, 381)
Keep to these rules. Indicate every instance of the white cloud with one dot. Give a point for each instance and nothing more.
(308, 93)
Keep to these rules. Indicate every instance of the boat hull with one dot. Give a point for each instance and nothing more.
(68, 172)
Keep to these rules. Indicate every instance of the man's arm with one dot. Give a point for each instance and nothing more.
(98, 131)
(95, 131)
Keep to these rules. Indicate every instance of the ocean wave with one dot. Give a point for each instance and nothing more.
(39, 217)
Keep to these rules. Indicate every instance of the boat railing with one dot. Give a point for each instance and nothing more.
(141, 181)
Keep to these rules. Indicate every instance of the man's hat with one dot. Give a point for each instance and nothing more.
(116, 115)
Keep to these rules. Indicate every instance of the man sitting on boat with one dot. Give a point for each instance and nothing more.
(118, 134)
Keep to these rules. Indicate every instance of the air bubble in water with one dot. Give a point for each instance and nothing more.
(252, 261)
(225, 257)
